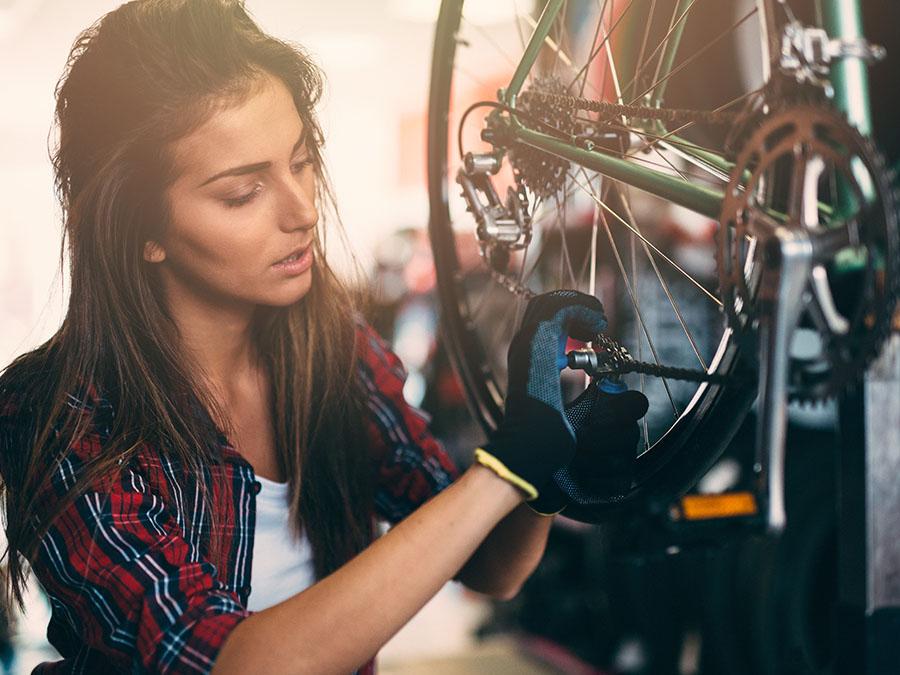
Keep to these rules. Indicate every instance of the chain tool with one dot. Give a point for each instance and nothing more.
(608, 358)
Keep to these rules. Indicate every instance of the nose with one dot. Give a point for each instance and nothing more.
(297, 206)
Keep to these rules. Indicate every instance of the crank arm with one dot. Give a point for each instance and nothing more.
(787, 262)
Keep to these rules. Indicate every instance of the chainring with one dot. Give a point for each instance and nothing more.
(806, 167)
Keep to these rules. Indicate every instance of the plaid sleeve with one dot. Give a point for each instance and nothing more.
(124, 580)
(411, 465)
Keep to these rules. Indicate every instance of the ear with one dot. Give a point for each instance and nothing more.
(153, 252)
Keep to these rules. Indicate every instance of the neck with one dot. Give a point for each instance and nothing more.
(219, 340)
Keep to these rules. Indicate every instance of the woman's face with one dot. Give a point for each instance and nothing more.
(242, 209)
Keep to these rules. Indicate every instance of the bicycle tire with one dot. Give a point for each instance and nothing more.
(674, 461)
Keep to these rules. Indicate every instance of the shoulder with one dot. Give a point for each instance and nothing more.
(41, 418)
(373, 352)
(24, 384)
(31, 391)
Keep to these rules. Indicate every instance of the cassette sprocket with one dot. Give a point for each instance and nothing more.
(543, 173)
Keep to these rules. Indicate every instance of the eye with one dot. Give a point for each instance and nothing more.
(299, 165)
(243, 199)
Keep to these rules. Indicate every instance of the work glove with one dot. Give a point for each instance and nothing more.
(605, 418)
(534, 439)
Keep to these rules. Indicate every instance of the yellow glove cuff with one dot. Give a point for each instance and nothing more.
(485, 458)
(540, 512)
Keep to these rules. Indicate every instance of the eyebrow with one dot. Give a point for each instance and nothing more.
(252, 168)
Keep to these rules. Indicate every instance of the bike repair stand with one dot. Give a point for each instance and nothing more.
(868, 627)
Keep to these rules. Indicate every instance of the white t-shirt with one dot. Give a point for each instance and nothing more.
(282, 565)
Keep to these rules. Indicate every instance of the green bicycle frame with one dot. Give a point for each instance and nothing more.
(849, 80)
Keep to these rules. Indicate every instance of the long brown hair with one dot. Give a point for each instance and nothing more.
(141, 77)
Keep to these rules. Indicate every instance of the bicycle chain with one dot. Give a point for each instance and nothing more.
(610, 110)
(617, 359)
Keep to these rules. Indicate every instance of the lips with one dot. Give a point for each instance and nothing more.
(298, 262)
(292, 257)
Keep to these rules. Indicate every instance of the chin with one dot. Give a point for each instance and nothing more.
(296, 293)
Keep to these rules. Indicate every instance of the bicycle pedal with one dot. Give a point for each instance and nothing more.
(705, 516)
(696, 507)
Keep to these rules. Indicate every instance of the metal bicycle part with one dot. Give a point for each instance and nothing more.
(592, 233)
(819, 219)
(807, 170)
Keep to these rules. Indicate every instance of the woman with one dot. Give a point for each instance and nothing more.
(211, 365)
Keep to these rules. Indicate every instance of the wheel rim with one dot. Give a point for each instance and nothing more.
(470, 304)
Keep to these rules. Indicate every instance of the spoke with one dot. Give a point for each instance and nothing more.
(587, 274)
(711, 171)
(519, 24)
(590, 59)
(563, 56)
(565, 262)
(540, 219)
(501, 327)
(640, 59)
(673, 25)
(602, 43)
(559, 24)
(709, 174)
(634, 302)
(592, 288)
(476, 310)
(587, 67)
(481, 83)
(671, 166)
(614, 74)
(551, 43)
(664, 283)
(655, 138)
(693, 58)
(592, 282)
(666, 136)
(487, 36)
(525, 277)
(650, 244)
(640, 343)
(521, 279)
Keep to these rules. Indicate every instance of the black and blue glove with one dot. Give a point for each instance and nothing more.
(605, 418)
(534, 440)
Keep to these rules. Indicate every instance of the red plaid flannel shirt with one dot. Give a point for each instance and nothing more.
(130, 581)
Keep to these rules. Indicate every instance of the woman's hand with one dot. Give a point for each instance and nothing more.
(535, 439)
(605, 418)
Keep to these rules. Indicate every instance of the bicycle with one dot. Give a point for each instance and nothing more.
(806, 242)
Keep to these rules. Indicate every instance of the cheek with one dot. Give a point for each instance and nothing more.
(210, 236)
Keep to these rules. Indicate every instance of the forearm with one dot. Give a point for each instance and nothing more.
(508, 556)
(341, 621)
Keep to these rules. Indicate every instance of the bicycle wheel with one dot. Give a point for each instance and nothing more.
(652, 264)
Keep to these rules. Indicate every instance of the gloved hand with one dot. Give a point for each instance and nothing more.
(535, 439)
(605, 419)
